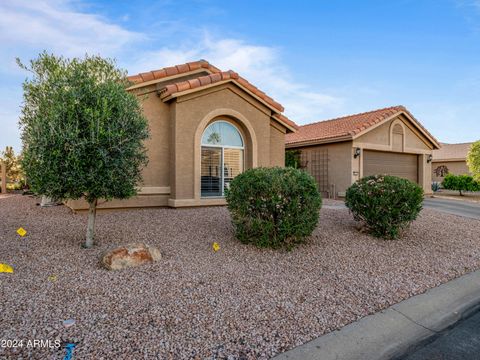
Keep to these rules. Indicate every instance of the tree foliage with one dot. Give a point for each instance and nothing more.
(83, 133)
(12, 164)
(473, 160)
(460, 183)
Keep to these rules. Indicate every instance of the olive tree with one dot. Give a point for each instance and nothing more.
(82, 132)
(473, 160)
(12, 164)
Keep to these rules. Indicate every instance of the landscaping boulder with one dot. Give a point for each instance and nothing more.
(129, 256)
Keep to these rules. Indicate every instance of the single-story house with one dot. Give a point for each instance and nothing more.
(340, 151)
(206, 127)
(450, 159)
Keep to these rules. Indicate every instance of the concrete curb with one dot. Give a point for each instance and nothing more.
(394, 331)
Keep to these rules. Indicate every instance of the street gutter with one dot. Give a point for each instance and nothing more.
(401, 328)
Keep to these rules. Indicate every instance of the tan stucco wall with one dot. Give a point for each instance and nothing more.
(339, 164)
(277, 145)
(454, 167)
(156, 173)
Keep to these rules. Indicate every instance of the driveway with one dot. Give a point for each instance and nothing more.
(460, 343)
(455, 207)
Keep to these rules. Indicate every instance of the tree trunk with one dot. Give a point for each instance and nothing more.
(92, 213)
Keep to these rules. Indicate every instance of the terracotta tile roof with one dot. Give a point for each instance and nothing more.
(347, 126)
(452, 152)
(214, 78)
(172, 70)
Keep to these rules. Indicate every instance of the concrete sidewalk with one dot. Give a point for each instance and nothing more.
(402, 327)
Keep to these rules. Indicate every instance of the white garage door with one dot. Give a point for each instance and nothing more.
(389, 163)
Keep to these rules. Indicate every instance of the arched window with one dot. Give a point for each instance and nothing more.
(222, 157)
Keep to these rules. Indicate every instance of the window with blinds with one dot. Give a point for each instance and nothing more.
(211, 171)
(232, 165)
(222, 158)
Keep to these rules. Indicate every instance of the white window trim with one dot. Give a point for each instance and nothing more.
(223, 147)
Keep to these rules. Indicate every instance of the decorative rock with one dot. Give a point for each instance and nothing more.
(68, 323)
(46, 202)
(130, 255)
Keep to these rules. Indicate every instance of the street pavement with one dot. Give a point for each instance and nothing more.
(460, 343)
(455, 207)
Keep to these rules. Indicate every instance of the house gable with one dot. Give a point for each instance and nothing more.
(397, 134)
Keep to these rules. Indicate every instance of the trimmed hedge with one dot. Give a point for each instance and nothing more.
(273, 207)
(385, 204)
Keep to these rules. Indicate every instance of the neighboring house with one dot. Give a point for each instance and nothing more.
(206, 127)
(450, 159)
(386, 141)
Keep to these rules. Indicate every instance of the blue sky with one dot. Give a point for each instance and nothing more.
(320, 59)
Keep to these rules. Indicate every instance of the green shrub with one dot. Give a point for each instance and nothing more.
(292, 159)
(273, 207)
(460, 183)
(385, 204)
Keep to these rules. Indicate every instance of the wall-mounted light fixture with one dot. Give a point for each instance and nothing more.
(429, 158)
(357, 152)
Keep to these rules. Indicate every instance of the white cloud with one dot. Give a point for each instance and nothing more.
(56, 26)
(28, 27)
(261, 65)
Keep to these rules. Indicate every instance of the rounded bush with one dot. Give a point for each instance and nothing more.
(385, 204)
(273, 207)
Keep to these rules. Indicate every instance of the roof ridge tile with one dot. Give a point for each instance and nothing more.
(172, 70)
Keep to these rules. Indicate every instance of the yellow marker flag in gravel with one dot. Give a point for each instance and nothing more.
(22, 232)
(52, 278)
(5, 268)
(216, 246)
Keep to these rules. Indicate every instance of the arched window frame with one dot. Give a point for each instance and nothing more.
(203, 146)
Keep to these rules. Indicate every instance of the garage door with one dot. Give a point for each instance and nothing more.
(389, 163)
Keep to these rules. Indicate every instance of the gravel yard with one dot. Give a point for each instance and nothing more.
(238, 303)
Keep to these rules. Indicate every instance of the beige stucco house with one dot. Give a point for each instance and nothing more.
(450, 159)
(390, 141)
(206, 127)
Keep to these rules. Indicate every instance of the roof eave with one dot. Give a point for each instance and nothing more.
(314, 142)
(450, 159)
(287, 126)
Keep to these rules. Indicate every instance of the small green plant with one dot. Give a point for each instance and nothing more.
(460, 183)
(435, 186)
(385, 204)
(274, 207)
